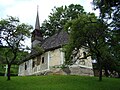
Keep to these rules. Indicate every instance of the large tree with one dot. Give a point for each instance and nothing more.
(59, 17)
(13, 35)
(90, 33)
(110, 10)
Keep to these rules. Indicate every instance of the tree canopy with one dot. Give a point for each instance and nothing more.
(59, 17)
(110, 10)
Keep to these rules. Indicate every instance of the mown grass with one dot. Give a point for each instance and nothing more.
(59, 83)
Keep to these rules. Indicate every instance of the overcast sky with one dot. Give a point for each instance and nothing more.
(26, 10)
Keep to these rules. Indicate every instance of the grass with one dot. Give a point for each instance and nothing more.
(59, 83)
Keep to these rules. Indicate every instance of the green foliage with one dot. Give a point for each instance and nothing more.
(2, 70)
(87, 31)
(6, 53)
(59, 83)
(90, 33)
(110, 10)
(59, 17)
(14, 70)
(13, 34)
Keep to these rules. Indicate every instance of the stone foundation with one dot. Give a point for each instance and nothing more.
(73, 70)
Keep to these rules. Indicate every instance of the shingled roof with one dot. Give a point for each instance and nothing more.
(55, 41)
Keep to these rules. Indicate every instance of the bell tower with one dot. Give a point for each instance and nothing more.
(37, 37)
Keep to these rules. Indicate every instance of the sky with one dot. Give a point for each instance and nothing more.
(26, 10)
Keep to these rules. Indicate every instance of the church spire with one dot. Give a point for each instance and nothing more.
(37, 37)
(37, 24)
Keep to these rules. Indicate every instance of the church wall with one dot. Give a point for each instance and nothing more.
(25, 68)
(49, 59)
(41, 63)
(21, 69)
(84, 62)
(56, 57)
(44, 61)
(81, 67)
(88, 61)
(34, 66)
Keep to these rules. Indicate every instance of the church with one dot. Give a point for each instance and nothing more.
(48, 56)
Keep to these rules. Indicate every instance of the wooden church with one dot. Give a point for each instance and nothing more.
(52, 57)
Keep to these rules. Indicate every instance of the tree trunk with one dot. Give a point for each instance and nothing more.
(100, 73)
(100, 67)
(8, 72)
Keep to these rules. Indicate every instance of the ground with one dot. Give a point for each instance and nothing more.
(59, 82)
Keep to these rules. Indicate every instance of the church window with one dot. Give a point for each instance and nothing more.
(33, 64)
(43, 60)
(25, 66)
(84, 55)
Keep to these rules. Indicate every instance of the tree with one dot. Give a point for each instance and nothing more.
(90, 33)
(13, 35)
(59, 17)
(110, 10)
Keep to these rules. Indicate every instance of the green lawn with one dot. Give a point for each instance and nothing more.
(59, 83)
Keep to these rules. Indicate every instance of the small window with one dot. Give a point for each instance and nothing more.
(42, 60)
(33, 64)
(25, 66)
(84, 55)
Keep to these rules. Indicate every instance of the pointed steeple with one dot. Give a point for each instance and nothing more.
(37, 24)
(37, 36)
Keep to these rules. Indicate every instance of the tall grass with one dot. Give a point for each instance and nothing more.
(59, 83)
